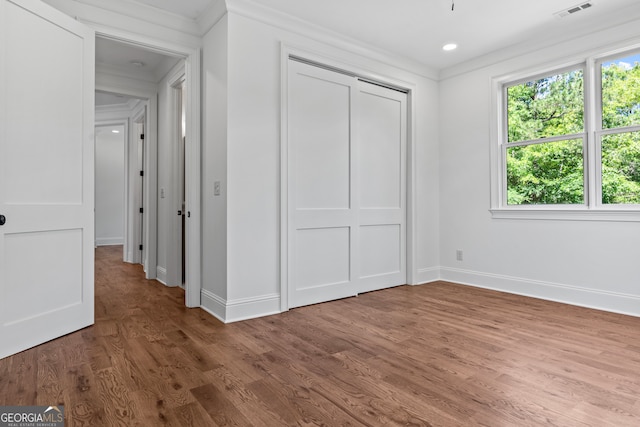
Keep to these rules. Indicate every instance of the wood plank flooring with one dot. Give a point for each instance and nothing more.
(432, 355)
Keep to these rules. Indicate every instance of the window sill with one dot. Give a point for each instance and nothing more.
(619, 215)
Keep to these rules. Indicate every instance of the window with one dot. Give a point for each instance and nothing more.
(564, 147)
(545, 140)
(619, 129)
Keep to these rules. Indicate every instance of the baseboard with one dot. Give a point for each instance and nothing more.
(427, 275)
(161, 275)
(213, 304)
(239, 309)
(109, 241)
(568, 294)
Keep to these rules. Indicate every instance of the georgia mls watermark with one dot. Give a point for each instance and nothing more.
(31, 416)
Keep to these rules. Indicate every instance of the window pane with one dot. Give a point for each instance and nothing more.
(545, 174)
(621, 92)
(552, 106)
(621, 168)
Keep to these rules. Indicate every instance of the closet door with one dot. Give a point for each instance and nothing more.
(381, 120)
(346, 186)
(322, 217)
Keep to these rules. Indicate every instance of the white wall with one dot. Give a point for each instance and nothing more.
(110, 191)
(581, 262)
(214, 165)
(250, 205)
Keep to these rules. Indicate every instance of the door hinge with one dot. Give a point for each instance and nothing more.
(141, 173)
(140, 247)
(141, 210)
(142, 136)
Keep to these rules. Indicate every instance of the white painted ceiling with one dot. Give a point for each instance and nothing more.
(417, 29)
(132, 60)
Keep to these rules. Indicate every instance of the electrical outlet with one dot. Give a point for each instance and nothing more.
(216, 188)
(459, 255)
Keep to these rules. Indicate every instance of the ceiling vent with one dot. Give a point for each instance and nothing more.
(574, 9)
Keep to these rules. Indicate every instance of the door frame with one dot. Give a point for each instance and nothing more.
(288, 52)
(192, 156)
(174, 244)
(136, 192)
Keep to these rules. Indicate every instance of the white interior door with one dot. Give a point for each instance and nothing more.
(381, 120)
(46, 175)
(346, 185)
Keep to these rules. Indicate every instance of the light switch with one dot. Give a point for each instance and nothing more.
(216, 188)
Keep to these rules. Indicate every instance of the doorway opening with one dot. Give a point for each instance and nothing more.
(161, 177)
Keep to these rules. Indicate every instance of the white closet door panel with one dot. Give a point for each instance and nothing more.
(381, 164)
(46, 174)
(380, 250)
(323, 257)
(380, 150)
(321, 233)
(322, 135)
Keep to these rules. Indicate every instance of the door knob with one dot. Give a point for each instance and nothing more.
(3, 219)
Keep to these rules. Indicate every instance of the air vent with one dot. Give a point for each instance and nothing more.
(573, 9)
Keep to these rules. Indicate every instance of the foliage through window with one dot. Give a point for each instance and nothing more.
(620, 138)
(545, 163)
(547, 137)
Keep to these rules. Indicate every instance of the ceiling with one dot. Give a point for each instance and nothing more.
(132, 61)
(414, 29)
(417, 29)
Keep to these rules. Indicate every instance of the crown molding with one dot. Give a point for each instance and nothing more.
(130, 17)
(211, 16)
(266, 15)
(108, 69)
(621, 25)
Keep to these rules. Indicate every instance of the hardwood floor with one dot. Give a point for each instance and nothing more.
(433, 355)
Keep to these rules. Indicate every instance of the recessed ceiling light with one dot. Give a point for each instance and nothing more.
(115, 131)
(449, 46)
(137, 63)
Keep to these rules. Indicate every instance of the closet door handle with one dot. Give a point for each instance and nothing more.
(3, 219)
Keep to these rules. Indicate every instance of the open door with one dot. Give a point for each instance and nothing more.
(46, 175)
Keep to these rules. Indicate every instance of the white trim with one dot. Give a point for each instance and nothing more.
(162, 276)
(134, 233)
(624, 21)
(213, 304)
(563, 214)
(258, 12)
(109, 241)
(427, 275)
(193, 179)
(210, 17)
(250, 308)
(240, 309)
(578, 296)
(132, 17)
(287, 51)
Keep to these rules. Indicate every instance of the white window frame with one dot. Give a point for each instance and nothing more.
(592, 209)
